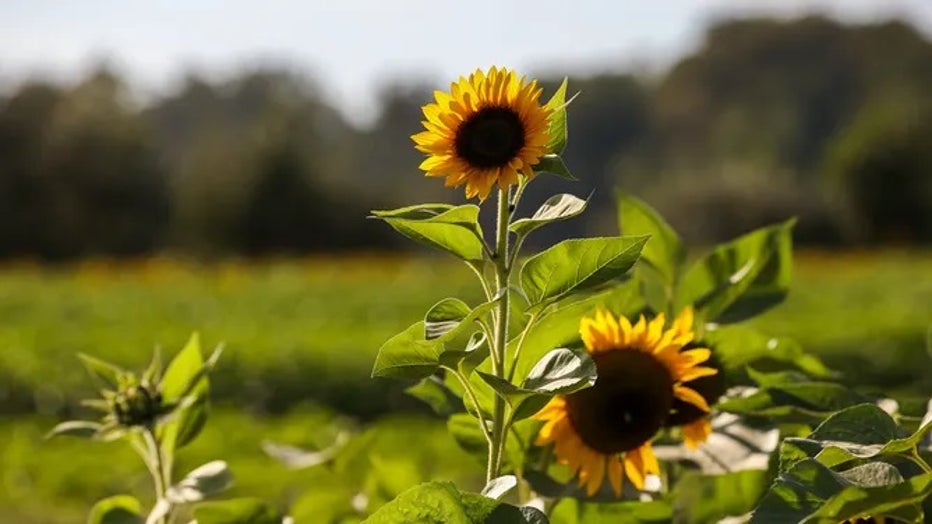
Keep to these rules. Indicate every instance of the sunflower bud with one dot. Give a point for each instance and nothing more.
(136, 404)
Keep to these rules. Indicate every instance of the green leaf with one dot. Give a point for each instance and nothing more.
(451, 229)
(554, 165)
(857, 433)
(810, 492)
(742, 278)
(75, 428)
(237, 511)
(891, 499)
(664, 252)
(441, 503)
(409, 355)
(499, 486)
(559, 207)
(433, 502)
(861, 424)
(443, 316)
(557, 131)
(184, 378)
(873, 475)
(577, 264)
(202, 482)
(738, 346)
(119, 509)
(437, 395)
(804, 402)
(107, 373)
(711, 498)
(559, 372)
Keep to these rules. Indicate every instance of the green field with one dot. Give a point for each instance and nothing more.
(300, 338)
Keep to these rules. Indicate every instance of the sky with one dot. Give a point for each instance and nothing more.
(355, 47)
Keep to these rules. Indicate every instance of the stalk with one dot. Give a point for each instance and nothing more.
(159, 468)
(502, 270)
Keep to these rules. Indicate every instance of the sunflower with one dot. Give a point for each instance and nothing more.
(606, 430)
(488, 129)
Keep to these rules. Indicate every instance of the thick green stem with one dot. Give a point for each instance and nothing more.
(159, 469)
(497, 442)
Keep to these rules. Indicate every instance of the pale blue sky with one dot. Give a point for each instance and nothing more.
(353, 46)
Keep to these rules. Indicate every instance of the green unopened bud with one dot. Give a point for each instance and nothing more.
(136, 405)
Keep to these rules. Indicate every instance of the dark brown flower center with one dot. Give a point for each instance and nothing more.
(490, 138)
(629, 402)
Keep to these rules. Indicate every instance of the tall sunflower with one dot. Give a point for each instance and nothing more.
(488, 129)
(606, 430)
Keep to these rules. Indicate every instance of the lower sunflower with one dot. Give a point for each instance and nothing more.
(606, 430)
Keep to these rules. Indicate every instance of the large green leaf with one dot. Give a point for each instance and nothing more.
(742, 278)
(451, 229)
(185, 378)
(410, 355)
(119, 509)
(559, 207)
(237, 511)
(577, 264)
(664, 252)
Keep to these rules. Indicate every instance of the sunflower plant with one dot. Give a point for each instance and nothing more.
(158, 412)
(600, 378)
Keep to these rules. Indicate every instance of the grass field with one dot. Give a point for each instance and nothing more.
(300, 339)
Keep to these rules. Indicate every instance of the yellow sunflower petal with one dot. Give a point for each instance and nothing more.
(697, 432)
(695, 372)
(595, 472)
(691, 396)
(635, 468)
(615, 468)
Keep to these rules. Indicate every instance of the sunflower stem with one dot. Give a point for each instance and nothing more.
(159, 469)
(502, 270)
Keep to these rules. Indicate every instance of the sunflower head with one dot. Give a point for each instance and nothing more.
(489, 129)
(606, 429)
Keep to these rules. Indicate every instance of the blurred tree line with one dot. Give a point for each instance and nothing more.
(768, 119)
